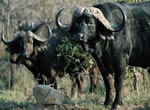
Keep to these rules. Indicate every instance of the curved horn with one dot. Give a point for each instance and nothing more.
(31, 34)
(49, 30)
(63, 27)
(97, 13)
(119, 27)
(6, 42)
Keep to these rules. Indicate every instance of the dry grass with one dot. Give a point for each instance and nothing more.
(20, 96)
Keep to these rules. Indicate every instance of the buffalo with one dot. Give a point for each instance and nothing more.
(39, 55)
(116, 35)
(30, 50)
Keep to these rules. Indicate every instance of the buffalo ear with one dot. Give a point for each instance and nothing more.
(106, 36)
(104, 33)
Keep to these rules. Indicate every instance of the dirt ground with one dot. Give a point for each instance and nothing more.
(67, 107)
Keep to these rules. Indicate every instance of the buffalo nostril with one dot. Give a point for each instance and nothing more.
(26, 54)
(12, 60)
(81, 36)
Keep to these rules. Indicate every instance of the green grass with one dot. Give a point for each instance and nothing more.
(20, 96)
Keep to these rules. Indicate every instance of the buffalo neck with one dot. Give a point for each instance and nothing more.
(101, 46)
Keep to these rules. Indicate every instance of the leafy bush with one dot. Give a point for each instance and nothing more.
(75, 59)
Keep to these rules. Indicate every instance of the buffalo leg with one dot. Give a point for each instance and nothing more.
(53, 82)
(118, 88)
(79, 81)
(52, 78)
(39, 78)
(107, 80)
(74, 85)
(93, 79)
(119, 76)
(108, 85)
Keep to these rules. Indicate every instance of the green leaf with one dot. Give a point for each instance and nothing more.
(73, 53)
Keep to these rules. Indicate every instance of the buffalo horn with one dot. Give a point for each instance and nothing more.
(63, 27)
(49, 30)
(30, 33)
(6, 42)
(120, 26)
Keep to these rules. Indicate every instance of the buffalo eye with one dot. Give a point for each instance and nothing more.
(76, 25)
(89, 21)
(9, 50)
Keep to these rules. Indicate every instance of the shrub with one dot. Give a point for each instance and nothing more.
(75, 59)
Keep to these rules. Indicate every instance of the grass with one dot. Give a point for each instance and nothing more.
(20, 96)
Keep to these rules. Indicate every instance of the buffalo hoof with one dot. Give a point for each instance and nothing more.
(92, 90)
(116, 106)
(108, 103)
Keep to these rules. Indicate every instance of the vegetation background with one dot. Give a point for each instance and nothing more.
(16, 82)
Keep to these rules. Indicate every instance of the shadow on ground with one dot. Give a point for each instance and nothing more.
(12, 105)
(145, 107)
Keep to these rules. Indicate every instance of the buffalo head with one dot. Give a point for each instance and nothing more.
(88, 23)
(24, 44)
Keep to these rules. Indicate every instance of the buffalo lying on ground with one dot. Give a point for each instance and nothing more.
(113, 46)
(39, 55)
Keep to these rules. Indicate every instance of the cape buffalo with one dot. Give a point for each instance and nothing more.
(113, 46)
(29, 49)
(39, 55)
